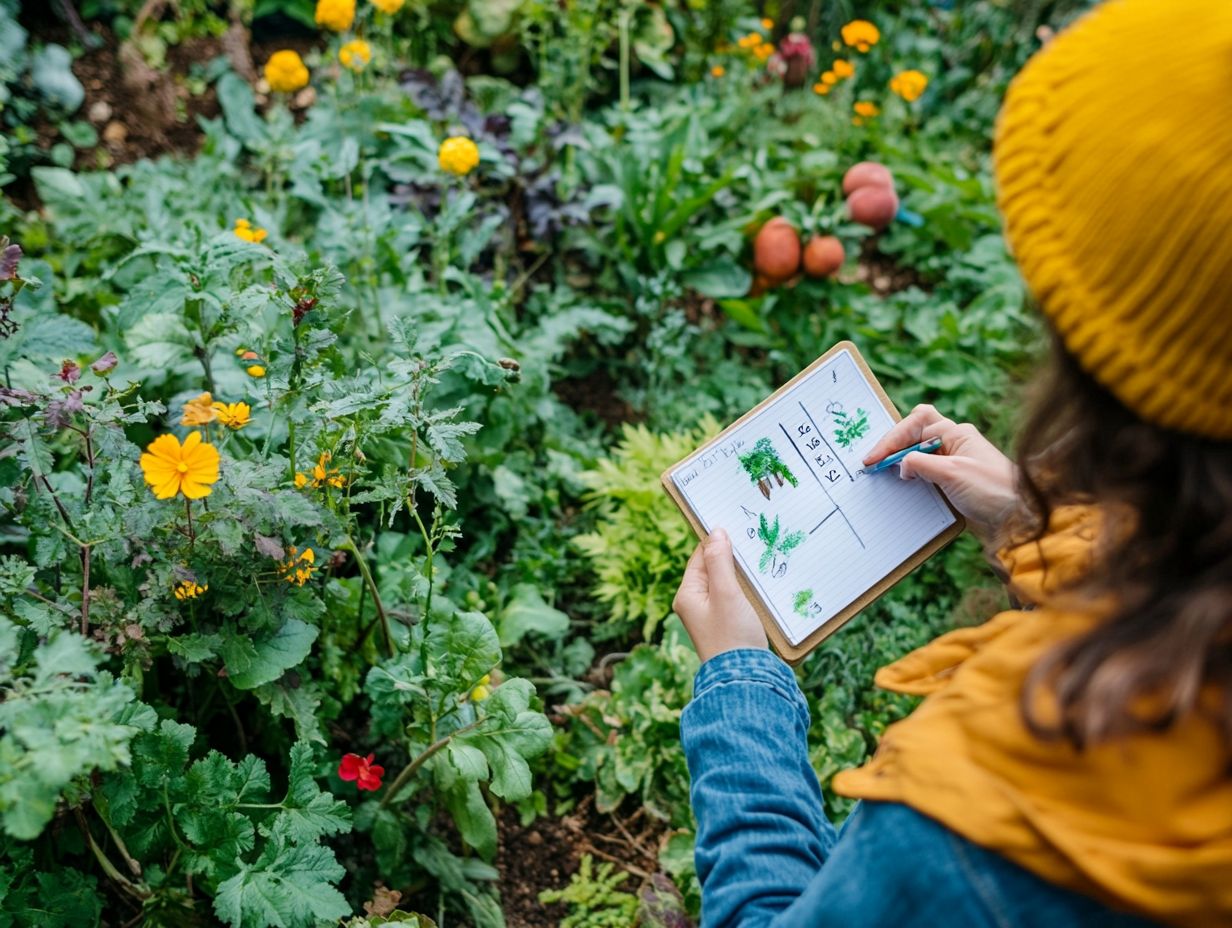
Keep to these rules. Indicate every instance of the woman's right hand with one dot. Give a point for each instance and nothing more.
(977, 478)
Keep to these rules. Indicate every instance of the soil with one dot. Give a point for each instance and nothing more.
(597, 393)
(546, 853)
(132, 124)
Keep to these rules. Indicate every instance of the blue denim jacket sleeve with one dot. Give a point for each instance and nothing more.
(762, 832)
(768, 858)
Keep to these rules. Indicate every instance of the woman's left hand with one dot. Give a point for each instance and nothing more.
(712, 604)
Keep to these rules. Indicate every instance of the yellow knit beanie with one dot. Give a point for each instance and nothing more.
(1114, 173)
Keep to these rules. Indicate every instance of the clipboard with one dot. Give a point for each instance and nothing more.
(799, 475)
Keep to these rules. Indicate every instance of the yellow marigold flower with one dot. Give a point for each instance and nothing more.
(909, 85)
(764, 51)
(355, 54)
(821, 88)
(389, 7)
(199, 411)
(170, 468)
(243, 229)
(233, 415)
(718, 71)
(256, 370)
(829, 77)
(337, 15)
(860, 34)
(843, 68)
(186, 589)
(298, 566)
(767, 23)
(458, 155)
(286, 72)
(866, 109)
(301, 480)
(750, 41)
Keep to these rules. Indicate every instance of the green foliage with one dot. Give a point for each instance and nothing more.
(626, 740)
(640, 543)
(60, 719)
(776, 541)
(594, 899)
(451, 370)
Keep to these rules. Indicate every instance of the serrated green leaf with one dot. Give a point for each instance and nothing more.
(287, 887)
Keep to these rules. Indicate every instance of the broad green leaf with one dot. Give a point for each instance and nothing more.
(275, 655)
(464, 646)
(527, 612)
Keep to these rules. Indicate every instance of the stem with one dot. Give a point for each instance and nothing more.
(192, 537)
(430, 551)
(235, 718)
(85, 589)
(43, 599)
(409, 770)
(291, 446)
(108, 867)
(376, 596)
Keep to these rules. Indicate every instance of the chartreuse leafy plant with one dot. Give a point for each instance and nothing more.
(595, 898)
(641, 542)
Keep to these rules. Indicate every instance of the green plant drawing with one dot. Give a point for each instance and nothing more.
(851, 428)
(762, 463)
(800, 604)
(776, 542)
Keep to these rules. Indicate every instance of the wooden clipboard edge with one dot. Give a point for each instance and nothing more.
(794, 654)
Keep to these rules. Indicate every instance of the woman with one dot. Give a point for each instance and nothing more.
(1072, 762)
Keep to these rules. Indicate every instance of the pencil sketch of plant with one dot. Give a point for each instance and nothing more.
(851, 428)
(762, 463)
(776, 543)
(800, 605)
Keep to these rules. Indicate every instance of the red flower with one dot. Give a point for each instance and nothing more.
(361, 769)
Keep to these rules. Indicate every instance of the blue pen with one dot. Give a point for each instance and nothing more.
(924, 447)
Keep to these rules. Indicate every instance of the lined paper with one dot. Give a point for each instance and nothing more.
(811, 531)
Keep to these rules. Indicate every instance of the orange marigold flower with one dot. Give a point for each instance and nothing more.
(718, 71)
(909, 85)
(861, 35)
(199, 411)
(170, 468)
(355, 54)
(843, 68)
(829, 77)
(767, 23)
(866, 109)
(337, 15)
(285, 71)
(822, 89)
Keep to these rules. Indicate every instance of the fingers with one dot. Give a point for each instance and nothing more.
(935, 468)
(720, 565)
(923, 422)
(694, 585)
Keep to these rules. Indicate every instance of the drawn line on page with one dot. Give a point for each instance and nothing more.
(823, 521)
(822, 436)
(837, 508)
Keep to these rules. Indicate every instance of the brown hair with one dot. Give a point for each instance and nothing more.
(1164, 557)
